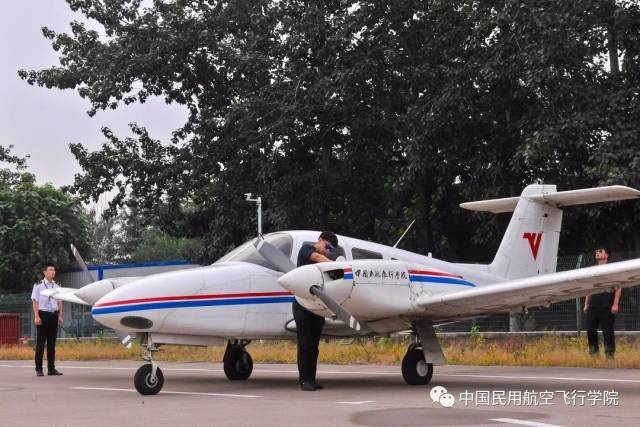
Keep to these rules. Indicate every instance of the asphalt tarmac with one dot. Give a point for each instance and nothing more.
(198, 394)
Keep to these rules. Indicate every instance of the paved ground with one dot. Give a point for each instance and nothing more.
(102, 394)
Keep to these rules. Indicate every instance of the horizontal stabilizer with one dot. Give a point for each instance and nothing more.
(507, 204)
(588, 195)
(558, 199)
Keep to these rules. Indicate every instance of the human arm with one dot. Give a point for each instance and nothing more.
(587, 299)
(35, 306)
(60, 310)
(36, 309)
(316, 257)
(616, 301)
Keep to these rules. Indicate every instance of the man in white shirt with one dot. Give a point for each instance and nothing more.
(47, 313)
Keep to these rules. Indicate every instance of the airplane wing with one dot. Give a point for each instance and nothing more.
(531, 292)
(64, 294)
(89, 294)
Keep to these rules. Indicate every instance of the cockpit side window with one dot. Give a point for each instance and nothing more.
(248, 252)
(359, 253)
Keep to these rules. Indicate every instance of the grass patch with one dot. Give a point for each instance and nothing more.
(517, 351)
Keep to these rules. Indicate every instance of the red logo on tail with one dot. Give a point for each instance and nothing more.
(534, 242)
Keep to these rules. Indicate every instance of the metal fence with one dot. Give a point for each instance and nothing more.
(563, 316)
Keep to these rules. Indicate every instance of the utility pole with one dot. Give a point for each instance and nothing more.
(257, 201)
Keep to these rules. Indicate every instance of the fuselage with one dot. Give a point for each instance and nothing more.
(239, 296)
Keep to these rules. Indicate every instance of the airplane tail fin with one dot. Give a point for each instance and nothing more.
(530, 244)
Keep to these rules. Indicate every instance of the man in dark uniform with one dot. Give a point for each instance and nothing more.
(309, 325)
(601, 310)
(47, 314)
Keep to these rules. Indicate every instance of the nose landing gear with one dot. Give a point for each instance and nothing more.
(149, 379)
(237, 361)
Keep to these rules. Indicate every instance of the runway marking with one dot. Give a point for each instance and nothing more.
(358, 403)
(523, 422)
(194, 393)
(288, 371)
(515, 377)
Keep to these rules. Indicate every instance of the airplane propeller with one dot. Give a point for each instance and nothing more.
(123, 337)
(338, 310)
(284, 264)
(274, 255)
(82, 264)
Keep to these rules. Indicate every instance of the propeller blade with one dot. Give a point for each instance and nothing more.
(339, 311)
(82, 264)
(123, 337)
(274, 255)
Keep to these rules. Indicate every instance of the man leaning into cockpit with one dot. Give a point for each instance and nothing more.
(309, 325)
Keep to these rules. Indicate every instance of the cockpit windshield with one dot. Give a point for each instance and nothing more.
(248, 253)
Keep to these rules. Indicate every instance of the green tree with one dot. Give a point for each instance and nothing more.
(158, 246)
(128, 237)
(38, 223)
(104, 239)
(10, 175)
(355, 116)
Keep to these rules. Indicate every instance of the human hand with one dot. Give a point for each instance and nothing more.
(60, 319)
(38, 320)
(614, 309)
(586, 308)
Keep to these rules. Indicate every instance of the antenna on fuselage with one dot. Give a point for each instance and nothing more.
(405, 232)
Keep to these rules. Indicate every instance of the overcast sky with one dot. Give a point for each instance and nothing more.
(42, 122)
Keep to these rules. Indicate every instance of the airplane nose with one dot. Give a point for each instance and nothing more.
(299, 281)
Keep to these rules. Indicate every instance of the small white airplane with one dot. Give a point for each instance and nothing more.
(373, 289)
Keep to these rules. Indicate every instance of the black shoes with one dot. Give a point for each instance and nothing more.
(307, 386)
(54, 372)
(310, 386)
(39, 373)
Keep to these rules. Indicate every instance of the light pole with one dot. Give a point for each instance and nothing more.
(258, 202)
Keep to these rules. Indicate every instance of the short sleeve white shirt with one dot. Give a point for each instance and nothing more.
(44, 303)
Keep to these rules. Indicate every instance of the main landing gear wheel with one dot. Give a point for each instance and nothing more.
(146, 382)
(415, 370)
(237, 361)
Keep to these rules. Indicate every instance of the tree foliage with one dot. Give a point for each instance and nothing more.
(128, 237)
(358, 116)
(10, 175)
(37, 224)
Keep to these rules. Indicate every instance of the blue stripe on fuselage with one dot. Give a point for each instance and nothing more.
(447, 280)
(197, 303)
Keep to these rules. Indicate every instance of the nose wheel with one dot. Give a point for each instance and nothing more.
(415, 370)
(149, 379)
(237, 361)
(146, 381)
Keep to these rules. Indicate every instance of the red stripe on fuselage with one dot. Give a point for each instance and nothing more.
(434, 273)
(194, 297)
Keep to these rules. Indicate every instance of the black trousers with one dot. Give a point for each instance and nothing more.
(46, 331)
(601, 316)
(309, 329)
